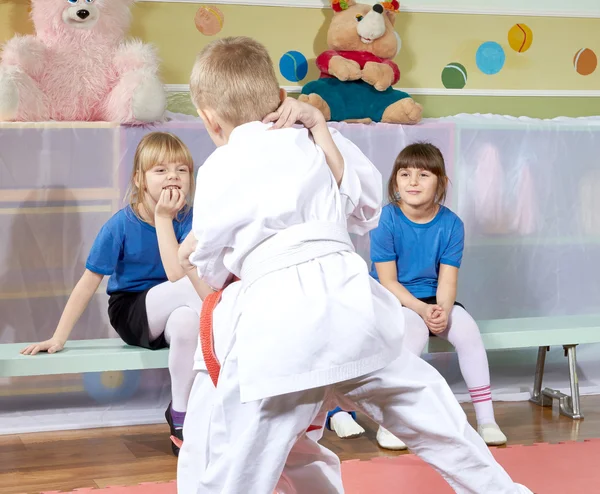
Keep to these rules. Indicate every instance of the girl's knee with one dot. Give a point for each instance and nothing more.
(183, 325)
(463, 332)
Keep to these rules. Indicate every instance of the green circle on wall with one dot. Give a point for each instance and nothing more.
(454, 76)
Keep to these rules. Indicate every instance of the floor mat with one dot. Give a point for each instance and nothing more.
(570, 467)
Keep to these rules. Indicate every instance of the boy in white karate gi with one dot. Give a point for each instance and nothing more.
(308, 323)
(310, 468)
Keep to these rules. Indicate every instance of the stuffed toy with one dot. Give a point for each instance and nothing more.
(357, 72)
(78, 67)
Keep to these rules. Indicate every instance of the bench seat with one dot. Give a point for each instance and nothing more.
(111, 354)
(529, 332)
(541, 333)
(80, 356)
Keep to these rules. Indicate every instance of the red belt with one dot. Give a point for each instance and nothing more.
(207, 336)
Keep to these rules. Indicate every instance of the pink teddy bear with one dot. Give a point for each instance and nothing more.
(78, 67)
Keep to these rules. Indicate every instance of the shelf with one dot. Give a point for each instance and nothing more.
(59, 125)
(538, 241)
(56, 195)
(57, 210)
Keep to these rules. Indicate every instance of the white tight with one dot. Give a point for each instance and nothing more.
(464, 335)
(174, 309)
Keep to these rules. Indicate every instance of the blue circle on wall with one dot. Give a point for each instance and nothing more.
(490, 58)
(109, 387)
(293, 66)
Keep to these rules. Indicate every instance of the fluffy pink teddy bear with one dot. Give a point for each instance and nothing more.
(78, 67)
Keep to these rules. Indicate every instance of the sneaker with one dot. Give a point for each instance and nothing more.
(387, 440)
(345, 426)
(176, 434)
(491, 434)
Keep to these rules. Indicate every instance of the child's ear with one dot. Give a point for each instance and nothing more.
(210, 120)
(282, 94)
(136, 179)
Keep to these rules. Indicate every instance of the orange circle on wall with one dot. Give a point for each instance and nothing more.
(585, 61)
(209, 20)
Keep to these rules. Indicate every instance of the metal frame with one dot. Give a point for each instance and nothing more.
(569, 406)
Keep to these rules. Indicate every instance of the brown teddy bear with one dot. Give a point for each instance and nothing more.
(357, 72)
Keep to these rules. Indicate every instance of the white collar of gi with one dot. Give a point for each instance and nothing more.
(247, 130)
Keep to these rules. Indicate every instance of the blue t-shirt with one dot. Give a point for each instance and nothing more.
(126, 249)
(418, 249)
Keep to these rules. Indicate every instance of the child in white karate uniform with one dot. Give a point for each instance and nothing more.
(310, 467)
(308, 323)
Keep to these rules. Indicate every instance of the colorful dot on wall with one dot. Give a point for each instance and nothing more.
(454, 76)
(209, 20)
(293, 66)
(520, 37)
(106, 387)
(585, 61)
(490, 58)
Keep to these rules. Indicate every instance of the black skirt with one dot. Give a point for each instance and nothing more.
(127, 314)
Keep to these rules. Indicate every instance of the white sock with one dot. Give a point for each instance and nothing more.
(482, 402)
(344, 425)
(387, 440)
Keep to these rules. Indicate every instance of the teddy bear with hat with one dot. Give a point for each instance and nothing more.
(357, 71)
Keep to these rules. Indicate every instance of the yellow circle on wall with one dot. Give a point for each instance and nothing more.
(112, 379)
(520, 37)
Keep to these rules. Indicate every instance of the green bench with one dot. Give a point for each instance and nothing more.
(111, 354)
(111, 370)
(541, 333)
(80, 356)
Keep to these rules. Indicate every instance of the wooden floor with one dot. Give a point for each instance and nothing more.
(63, 461)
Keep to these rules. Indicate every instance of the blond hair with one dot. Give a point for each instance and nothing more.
(235, 78)
(157, 148)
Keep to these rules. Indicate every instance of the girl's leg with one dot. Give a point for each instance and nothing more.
(464, 335)
(416, 332)
(174, 309)
(416, 335)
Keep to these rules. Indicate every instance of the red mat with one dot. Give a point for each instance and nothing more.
(571, 467)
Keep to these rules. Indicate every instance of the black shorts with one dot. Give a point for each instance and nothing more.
(433, 300)
(127, 314)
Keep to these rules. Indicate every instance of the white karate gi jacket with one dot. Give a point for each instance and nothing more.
(311, 322)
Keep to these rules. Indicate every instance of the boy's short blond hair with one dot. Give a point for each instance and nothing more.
(235, 78)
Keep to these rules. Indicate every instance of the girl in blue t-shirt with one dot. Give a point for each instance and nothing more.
(416, 252)
(137, 248)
